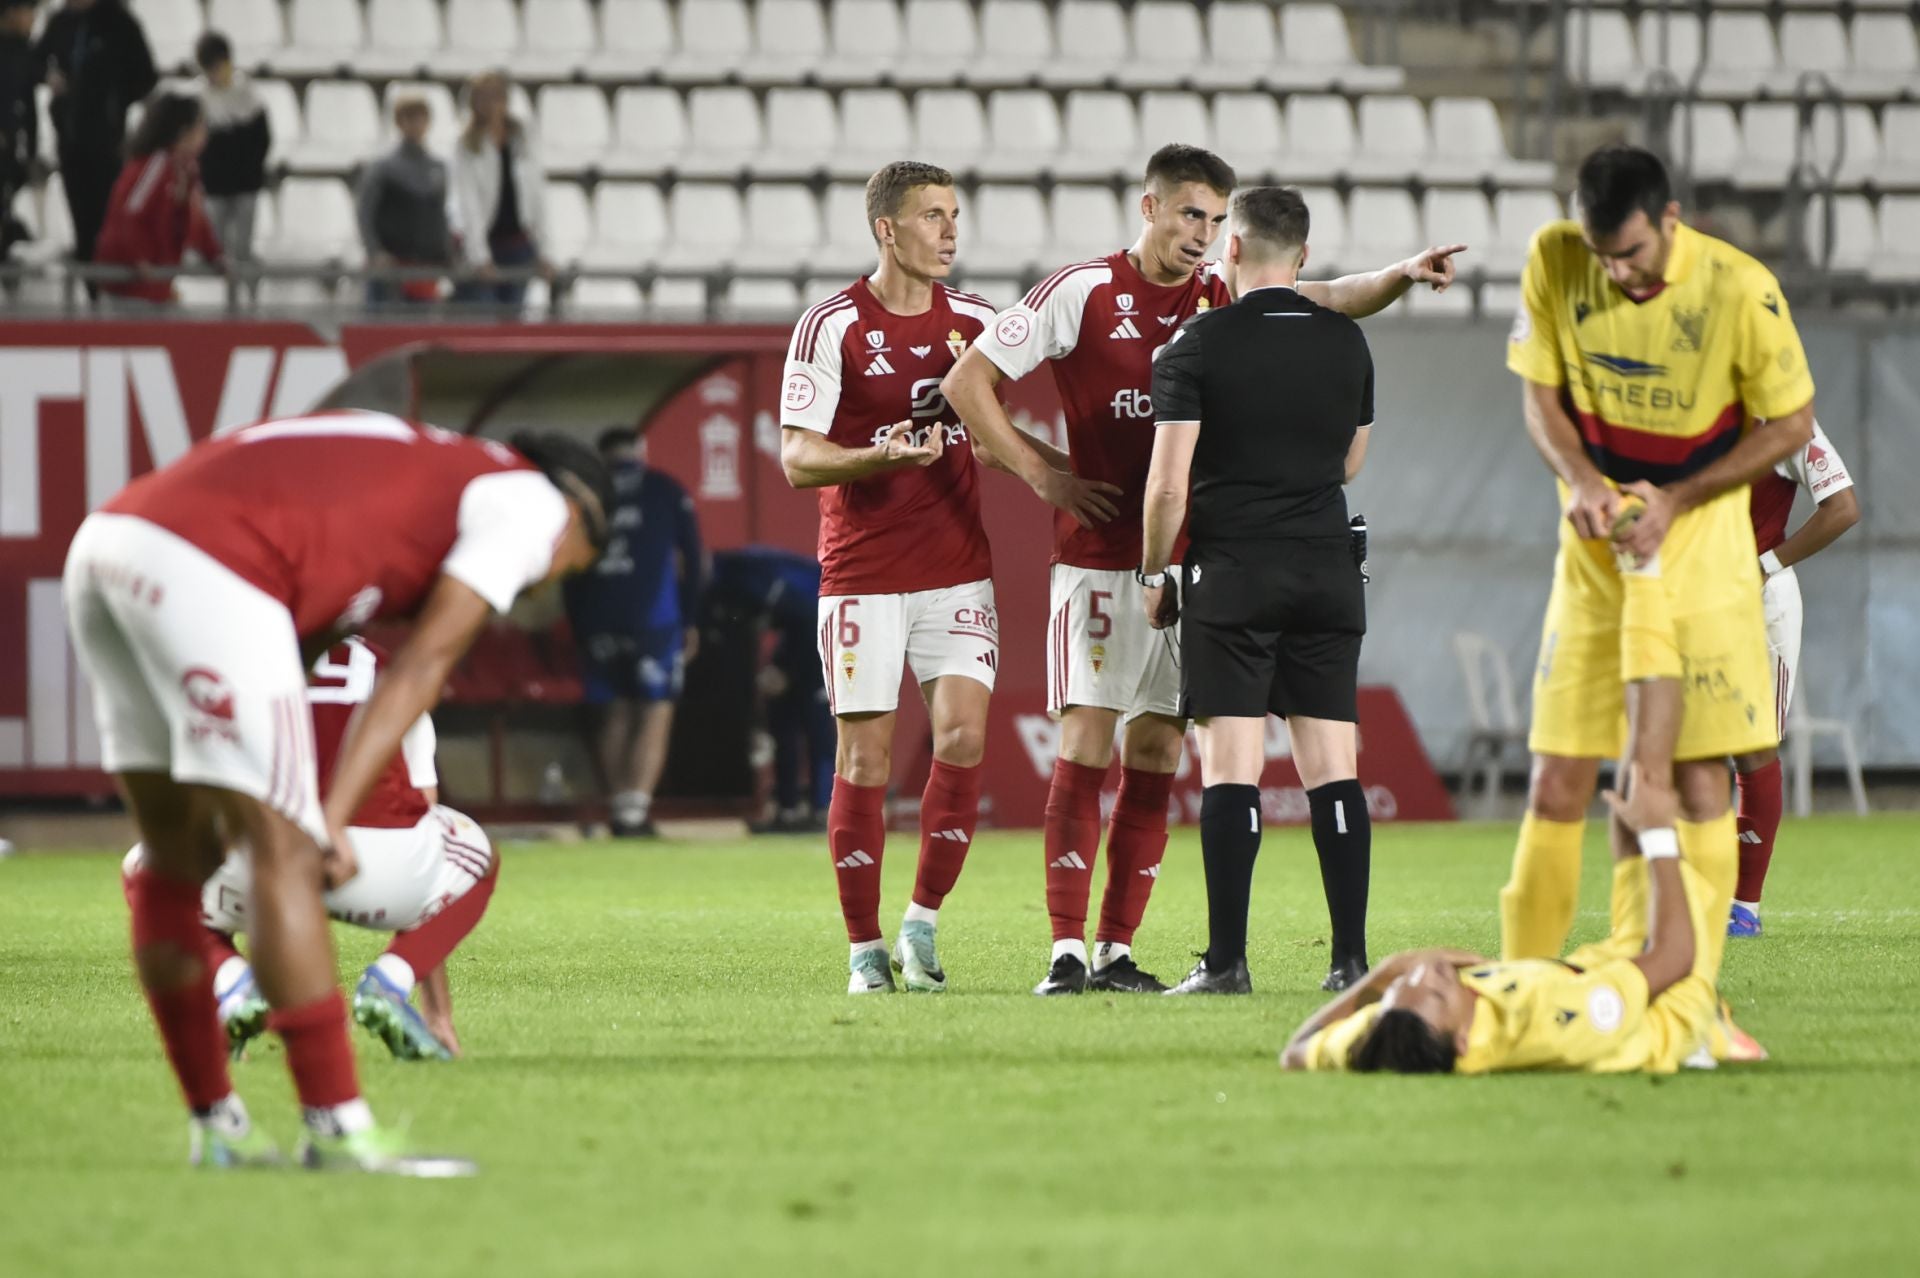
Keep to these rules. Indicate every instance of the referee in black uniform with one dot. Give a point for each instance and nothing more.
(1263, 409)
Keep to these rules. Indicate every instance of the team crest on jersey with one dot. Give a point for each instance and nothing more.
(1692, 326)
(1203, 305)
(1013, 330)
(1606, 1009)
(955, 342)
(1124, 303)
(846, 664)
(876, 339)
(211, 699)
(1097, 655)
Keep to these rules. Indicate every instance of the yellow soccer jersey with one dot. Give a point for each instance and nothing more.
(1663, 387)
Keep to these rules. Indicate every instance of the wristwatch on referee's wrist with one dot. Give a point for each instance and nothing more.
(1161, 578)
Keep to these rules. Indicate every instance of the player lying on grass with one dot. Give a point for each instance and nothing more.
(1641, 1000)
(426, 874)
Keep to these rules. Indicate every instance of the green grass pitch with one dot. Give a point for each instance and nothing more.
(665, 1077)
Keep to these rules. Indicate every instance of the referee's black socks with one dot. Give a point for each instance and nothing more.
(1343, 836)
(1229, 842)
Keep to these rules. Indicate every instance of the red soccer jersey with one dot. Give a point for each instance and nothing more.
(854, 369)
(345, 517)
(1101, 323)
(1816, 468)
(337, 685)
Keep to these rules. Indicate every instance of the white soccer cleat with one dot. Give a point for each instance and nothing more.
(916, 960)
(869, 972)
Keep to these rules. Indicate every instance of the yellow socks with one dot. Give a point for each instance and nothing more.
(1712, 849)
(1538, 903)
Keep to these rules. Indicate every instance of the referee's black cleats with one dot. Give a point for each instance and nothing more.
(1344, 975)
(1124, 976)
(1068, 975)
(1204, 980)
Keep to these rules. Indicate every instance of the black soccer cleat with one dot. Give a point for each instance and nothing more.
(1344, 975)
(1204, 980)
(1068, 975)
(1124, 976)
(633, 829)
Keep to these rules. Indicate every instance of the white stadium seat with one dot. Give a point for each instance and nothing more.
(760, 300)
(1318, 53)
(1600, 48)
(1427, 304)
(636, 39)
(606, 297)
(874, 129)
(1705, 138)
(789, 41)
(1321, 136)
(1516, 216)
(649, 130)
(1327, 251)
(866, 41)
(480, 34)
(1241, 46)
(803, 131)
(1007, 217)
(1394, 143)
(443, 113)
(171, 26)
(1168, 116)
(1900, 145)
(1252, 120)
(679, 299)
(950, 128)
(847, 243)
(1884, 55)
(1854, 233)
(323, 229)
(1090, 38)
(1101, 135)
(1896, 255)
(1167, 44)
(1769, 133)
(569, 223)
(256, 30)
(1848, 137)
(1084, 222)
(1016, 41)
(945, 41)
(999, 290)
(576, 129)
(284, 120)
(54, 227)
(1467, 137)
(1669, 46)
(783, 228)
(343, 125)
(1382, 226)
(1811, 42)
(1458, 217)
(323, 36)
(723, 130)
(1024, 129)
(705, 227)
(715, 42)
(1742, 58)
(560, 39)
(403, 37)
(629, 226)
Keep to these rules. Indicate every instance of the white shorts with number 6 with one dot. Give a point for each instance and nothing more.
(1780, 598)
(867, 642)
(1101, 651)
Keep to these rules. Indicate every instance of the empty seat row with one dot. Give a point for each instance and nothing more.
(1757, 149)
(1737, 54)
(1074, 42)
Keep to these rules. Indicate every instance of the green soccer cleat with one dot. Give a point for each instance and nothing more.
(915, 959)
(243, 1012)
(213, 1147)
(378, 1151)
(381, 1007)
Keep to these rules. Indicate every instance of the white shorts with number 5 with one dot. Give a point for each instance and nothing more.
(1101, 651)
(1780, 598)
(867, 642)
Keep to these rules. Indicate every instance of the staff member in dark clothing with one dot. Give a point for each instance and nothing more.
(19, 121)
(402, 209)
(1263, 409)
(97, 64)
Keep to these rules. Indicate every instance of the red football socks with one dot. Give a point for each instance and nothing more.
(1761, 797)
(856, 836)
(1072, 845)
(166, 916)
(318, 1051)
(426, 947)
(949, 811)
(1136, 840)
(219, 950)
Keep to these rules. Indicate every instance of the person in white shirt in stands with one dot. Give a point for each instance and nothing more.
(498, 203)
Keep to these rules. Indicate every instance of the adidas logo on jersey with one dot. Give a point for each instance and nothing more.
(1126, 329)
(1071, 861)
(853, 861)
(879, 367)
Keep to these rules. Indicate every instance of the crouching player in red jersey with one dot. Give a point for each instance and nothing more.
(197, 597)
(1818, 470)
(905, 577)
(426, 874)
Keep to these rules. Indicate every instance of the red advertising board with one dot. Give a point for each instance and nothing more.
(86, 406)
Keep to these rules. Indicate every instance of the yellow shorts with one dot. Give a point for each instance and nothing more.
(1699, 620)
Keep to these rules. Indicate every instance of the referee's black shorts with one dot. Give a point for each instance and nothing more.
(1273, 628)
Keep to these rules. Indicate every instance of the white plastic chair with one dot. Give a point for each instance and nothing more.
(803, 132)
(945, 41)
(1170, 116)
(1394, 143)
(1101, 136)
(323, 36)
(1802, 728)
(1898, 255)
(1085, 223)
(636, 39)
(706, 226)
(1319, 54)
(1493, 711)
(576, 129)
(629, 225)
(1242, 46)
(1025, 130)
(1252, 120)
(561, 37)
(950, 127)
(1885, 54)
(716, 39)
(866, 41)
(403, 36)
(1016, 41)
(256, 30)
(783, 228)
(789, 41)
(1320, 130)
(1327, 237)
(874, 128)
(1167, 44)
(1091, 37)
(649, 130)
(342, 126)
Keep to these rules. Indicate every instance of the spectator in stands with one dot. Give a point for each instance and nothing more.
(499, 194)
(19, 121)
(234, 168)
(403, 209)
(97, 63)
(157, 210)
(635, 616)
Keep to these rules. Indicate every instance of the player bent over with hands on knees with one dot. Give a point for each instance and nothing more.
(1642, 1000)
(905, 576)
(1098, 325)
(196, 598)
(426, 874)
